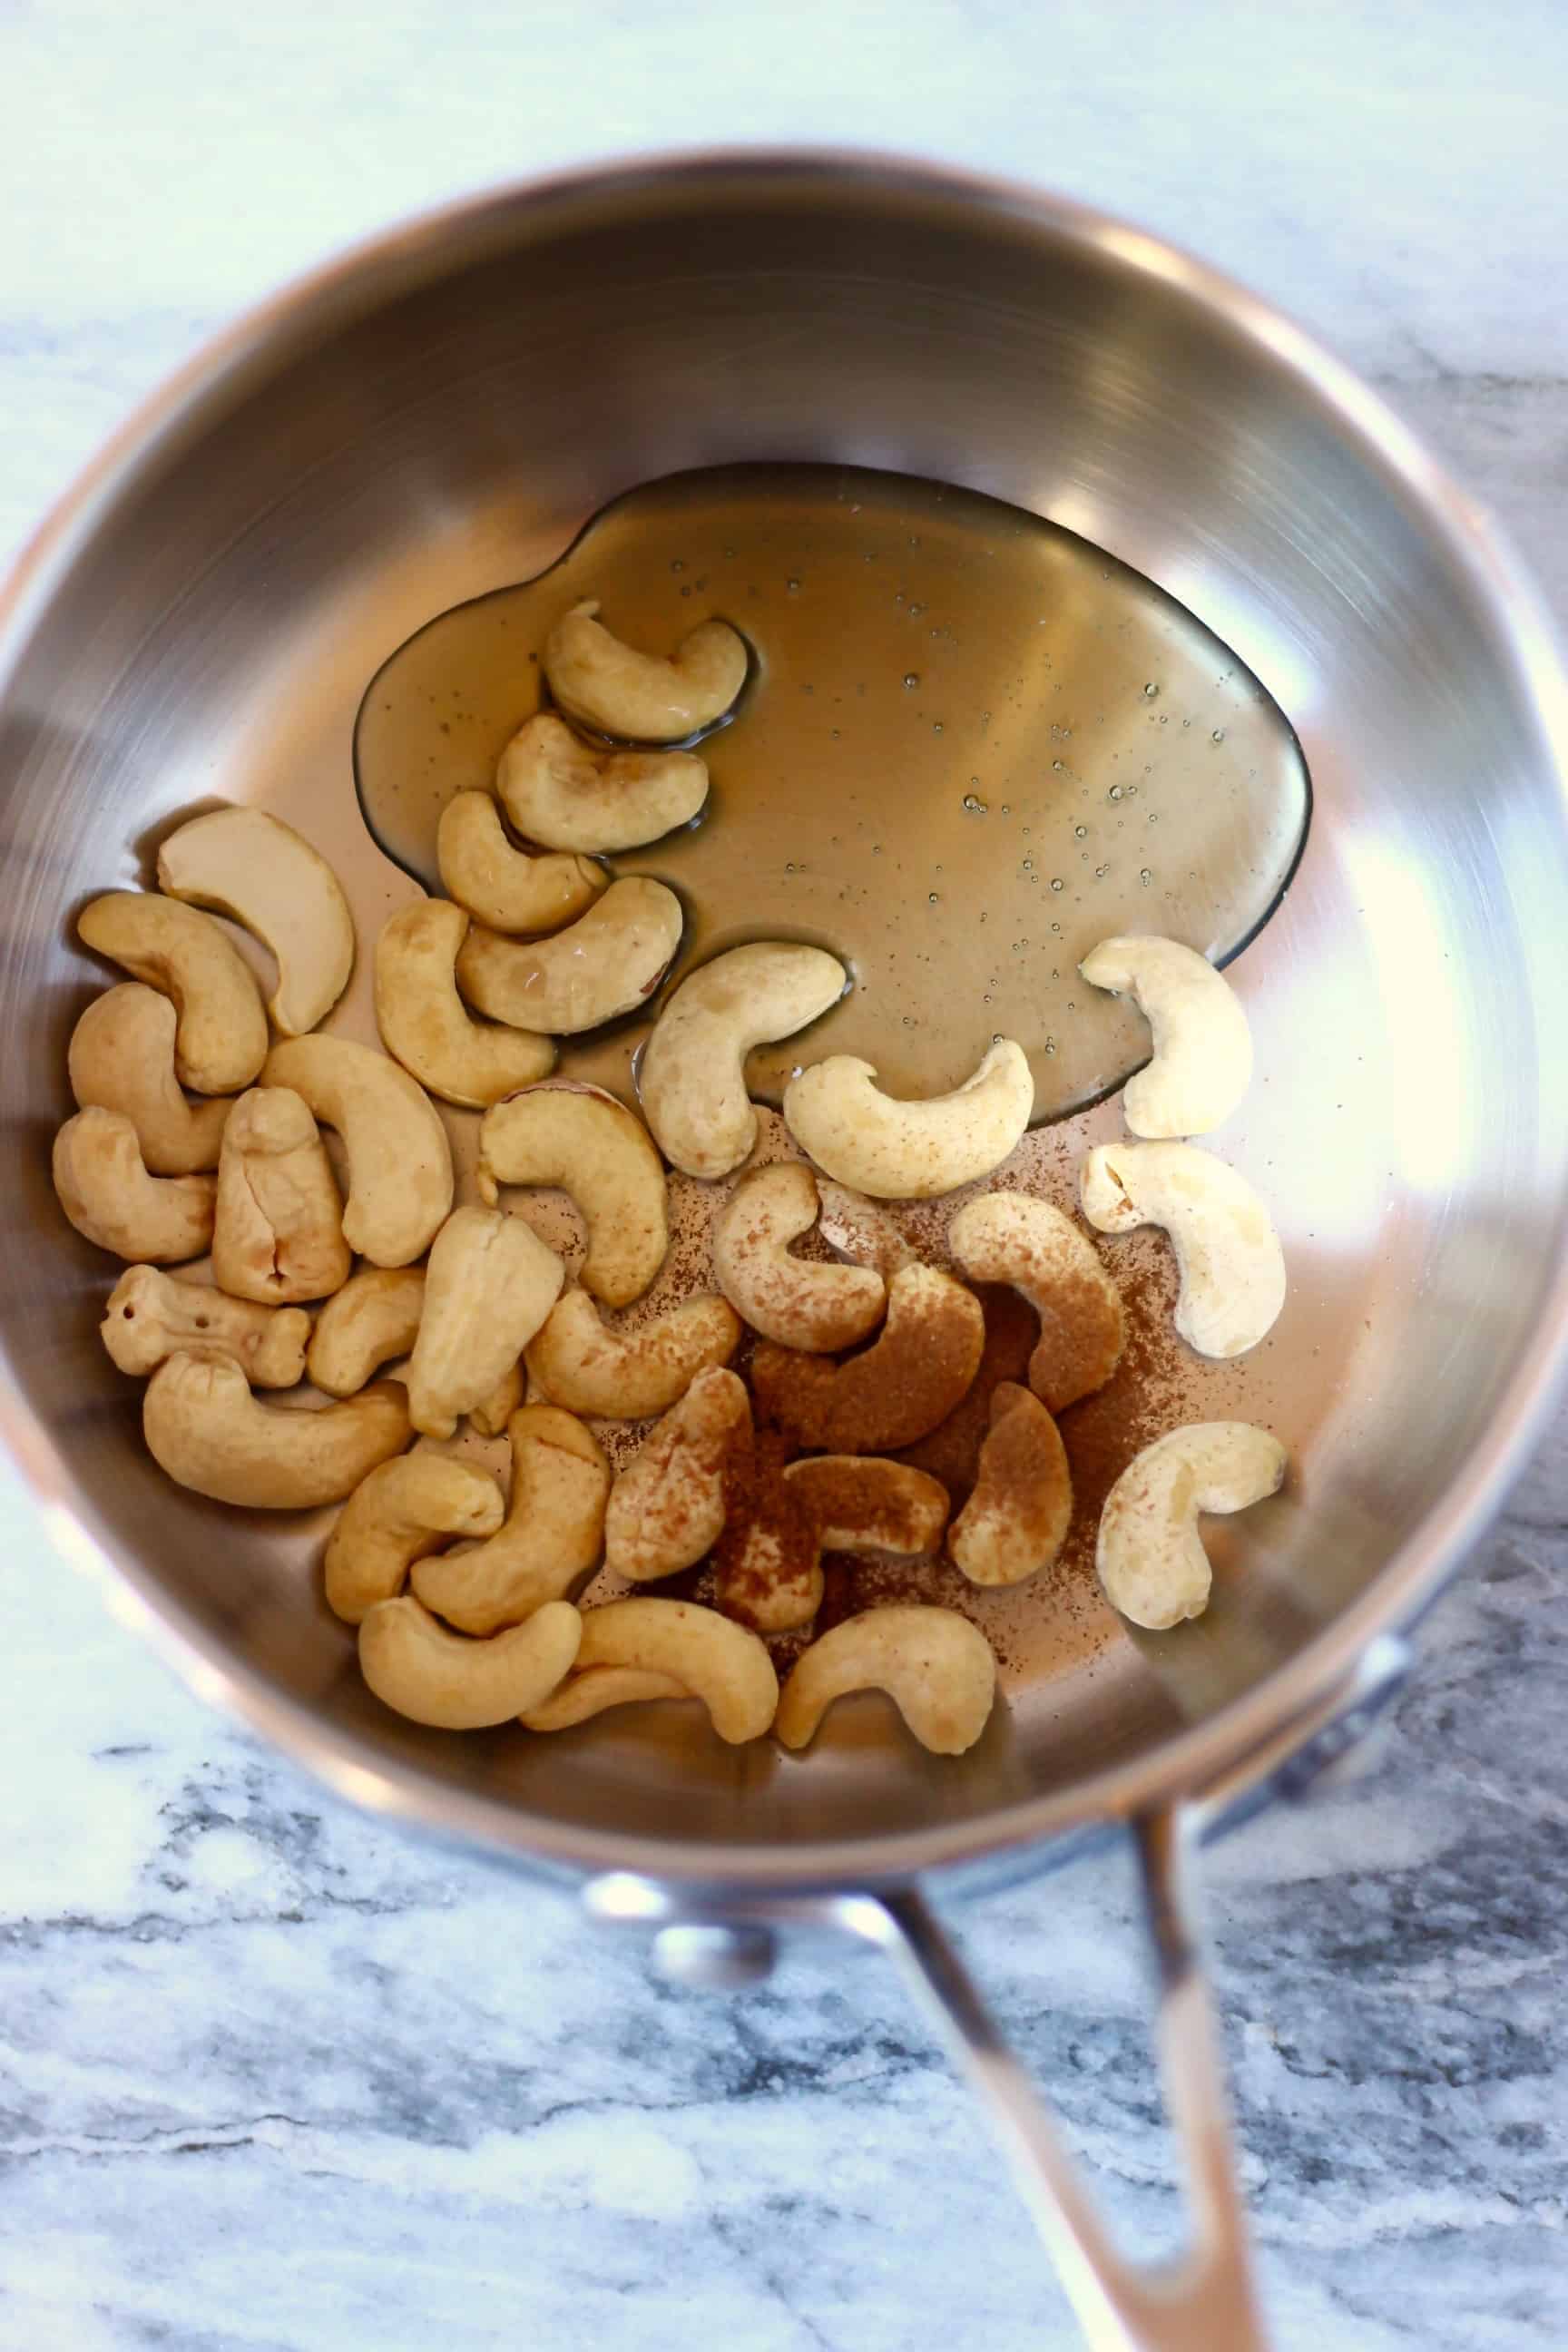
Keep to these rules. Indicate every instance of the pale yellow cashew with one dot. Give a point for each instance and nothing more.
(394, 1516)
(581, 1363)
(720, 1662)
(110, 1197)
(861, 1231)
(1016, 1521)
(150, 1317)
(1011, 1237)
(489, 1417)
(1227, 1253)
(608, 963)
(910, 1150)
(278, 1234)
(121, 1058)
(489, 1284)
(692, 1079)
(503, 887)
(788, 1298)
(418, 1669)
(399, 1161)
(667, 1507)
(771, 1576)
(591, 1146)
(563, 795)
(425, 1023)
(220, 1035)
(1202, 1063)
(371, 1321)
(644, 698)
(258, 870)
(935, 1666)
(205, 1429)
(582, 1696)
(1149, 1555)
(552, 1538)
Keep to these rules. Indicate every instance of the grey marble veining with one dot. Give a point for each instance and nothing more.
(275, 2080)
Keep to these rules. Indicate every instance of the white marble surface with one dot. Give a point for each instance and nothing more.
(273, 2080)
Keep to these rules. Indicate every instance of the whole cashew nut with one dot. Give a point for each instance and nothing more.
(399, 1161)
(641, 697)
(278, 1234)
(220, 1036)
(608, 963)
(418, 1669)
(267, 876)
(373, 1320)
(788, 1298)
(1016, 1520)
(892, 1392)
(1202, 1065)
(205, 1429)
(1011, 1237)
(110, 1197)
(692, 1080)
(503, 887)
(667, 1508)
(581, 1363)
(1150, 1556)
(910, 1150)
(425, 1023)
(1228, 1256)
(582, 1696)
(591, 1146)
(489, 1284)
(396, 1515)
(560, 792)
(150, 1318)
(121, 1058)
(771, 1578)
(713, 1659)
(936, 1667)
(552, 1537)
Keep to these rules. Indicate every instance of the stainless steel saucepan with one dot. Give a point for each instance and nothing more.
(435, 416)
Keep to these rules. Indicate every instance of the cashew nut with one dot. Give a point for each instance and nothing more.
(488, 1417)
(1009, 1237)
(220, 1035)
(936, 1667)
(910, 1150)
(608, 963)
(787, 1298)
(720, 1662)
(893, 1392)
(1228, 1256)
(151, 1317)
(1202, 1063)
(205, 1429)
(644, 698)
(1017, 1520)
(424, 1022)
(503, 887)
(861, 1230)
(279, 1230)
(553, 1535)
(394, 1516)
(583, 1695)
(593, 1147)
(373, 1320)
(581, 1363)
(560, 792)
(399, 1161)
(770, 1577)
(121, 1058)
(692, 1080)
(254, 868)
(667, 1507)
(489, 1287)
(107, 1194)
(1150, 1556)
(766, 1562)
(418, 1669)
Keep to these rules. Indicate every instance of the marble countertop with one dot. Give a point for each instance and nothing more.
(273, 2079)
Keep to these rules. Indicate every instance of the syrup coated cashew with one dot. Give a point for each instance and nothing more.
(205, 1429)
(910, 1150)
(254, 868)
(1228, 1256)
(418, 1669)
(644, 698)
(936, 1667)
(895, 1390)
(425, 1023)
(110, 1197)
(1011, 1237)
(1016, 1521)
(373, 1320)
(278, 1234)
(122, 1058)
(692, 1081)
(581, 1363)
(593, 1147)
(608, 963)
(489, 1284)
(718, 1662)
(667, 1507)
(560, 792)
(1202, 1063)
(582, 1696)
(400, 1512)
(1149, 1555)
(503, 887)
(788, 1298)
(220, 1035)
(400, 1164)
(552, 1538)
(150, 1317)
